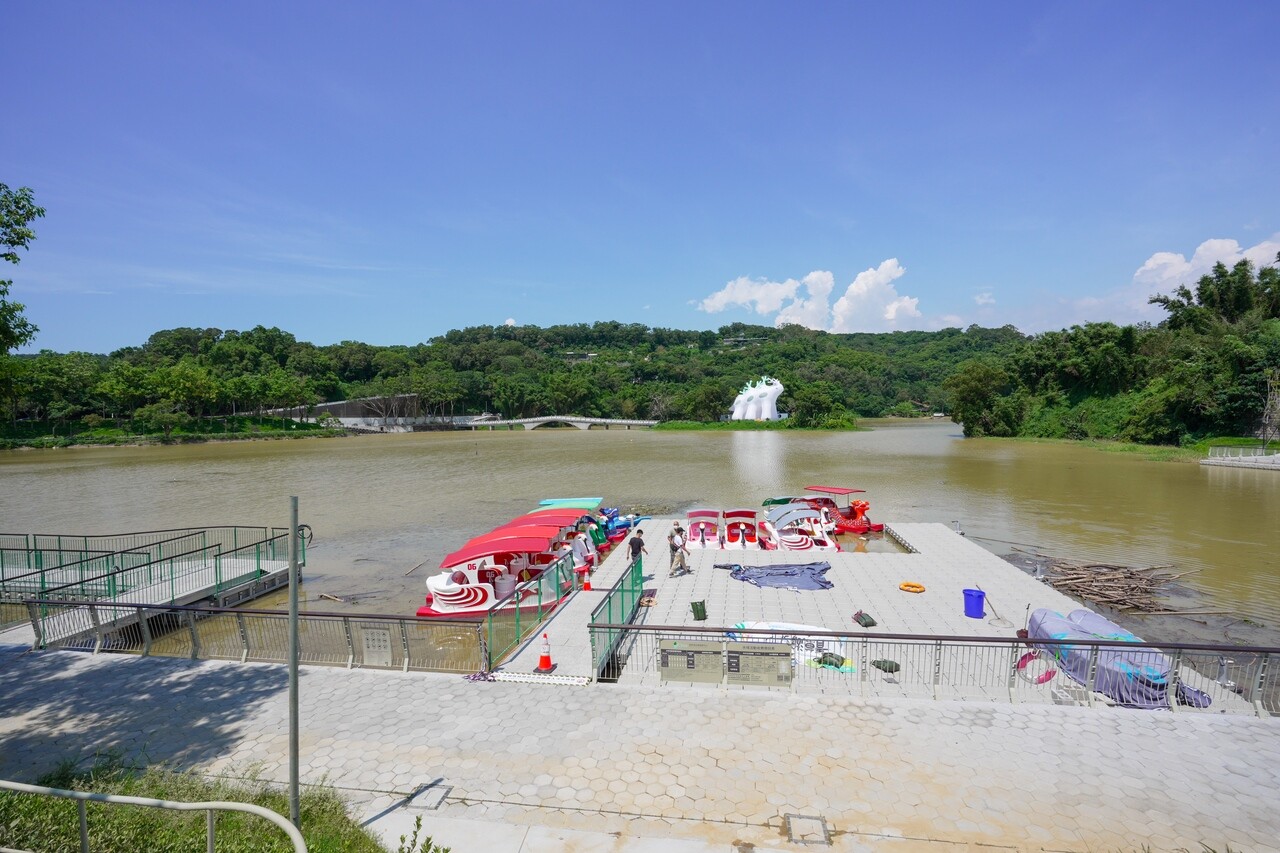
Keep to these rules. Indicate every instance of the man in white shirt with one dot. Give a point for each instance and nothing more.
(678, 550)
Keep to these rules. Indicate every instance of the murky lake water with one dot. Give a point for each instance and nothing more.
(381, 504)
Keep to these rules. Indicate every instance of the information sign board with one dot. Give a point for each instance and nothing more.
(691, 661)
(762, 664)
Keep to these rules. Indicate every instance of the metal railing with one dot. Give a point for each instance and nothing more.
(618, 607)
(205, 567)
(514, 618)
(204, 571)
(210, 809)
(37, 569)
(103, 566)
(1236, 679)
(241, 634)
(1242, 452)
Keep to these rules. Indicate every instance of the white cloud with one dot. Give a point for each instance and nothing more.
(766, 296)
(985, 298)
(1164, 271)
(870, 303)
(1127, 303)
(510, 321)
(811, 312)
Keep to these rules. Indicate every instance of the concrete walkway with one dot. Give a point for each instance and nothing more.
(494, 766)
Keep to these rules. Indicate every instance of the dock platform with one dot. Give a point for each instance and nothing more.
(934, 556)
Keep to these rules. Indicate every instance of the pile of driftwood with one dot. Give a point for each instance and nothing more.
(1119, 587)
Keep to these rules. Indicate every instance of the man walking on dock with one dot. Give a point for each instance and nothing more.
(678, 550)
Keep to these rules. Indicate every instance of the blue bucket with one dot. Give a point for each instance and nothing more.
(975, 603)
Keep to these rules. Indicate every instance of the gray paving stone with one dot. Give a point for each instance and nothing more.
(885, 768)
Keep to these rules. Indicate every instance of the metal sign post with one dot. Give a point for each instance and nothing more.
(293, 662)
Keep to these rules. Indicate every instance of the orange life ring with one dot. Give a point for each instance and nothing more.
(911, 586)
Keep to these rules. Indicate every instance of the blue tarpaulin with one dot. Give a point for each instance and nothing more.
(1134, 676)
(782, 576)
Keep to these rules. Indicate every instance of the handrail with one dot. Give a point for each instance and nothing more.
(613, 590)
(203, 549)
(250, 611)
(940, 638)
(146, 532)
(98, 555)
(82, 797)
(214, 550)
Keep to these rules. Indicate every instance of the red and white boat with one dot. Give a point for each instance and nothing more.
(533, 559)
(703, 528)
(798, 527)
(742, 531)
(851, 518)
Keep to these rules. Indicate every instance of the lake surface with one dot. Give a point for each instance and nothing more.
(380, 505)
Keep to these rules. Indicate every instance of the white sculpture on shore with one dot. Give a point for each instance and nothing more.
(758, 401)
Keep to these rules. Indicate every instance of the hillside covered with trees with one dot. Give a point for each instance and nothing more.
(1201, 372)
(603, 370)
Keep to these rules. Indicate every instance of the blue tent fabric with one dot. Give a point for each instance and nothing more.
(782, 576)
(1134, 677)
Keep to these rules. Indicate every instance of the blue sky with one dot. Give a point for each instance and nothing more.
(386, 172)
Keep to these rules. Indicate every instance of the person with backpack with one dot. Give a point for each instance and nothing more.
(678, 550)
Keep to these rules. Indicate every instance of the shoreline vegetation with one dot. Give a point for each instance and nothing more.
(44, 435)
(49, 436)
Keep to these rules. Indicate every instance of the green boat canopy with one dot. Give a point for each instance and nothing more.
(571, 503)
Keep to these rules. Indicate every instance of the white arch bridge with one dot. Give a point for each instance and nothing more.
(559, 420)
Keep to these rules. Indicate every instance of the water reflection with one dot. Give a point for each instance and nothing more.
(760, 464)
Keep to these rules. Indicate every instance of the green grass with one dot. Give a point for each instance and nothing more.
(47, 434)
(1153, 452)
(48, 824)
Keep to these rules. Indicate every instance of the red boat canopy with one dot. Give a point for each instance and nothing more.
(524, 528)
(833, 490)
(488, 546)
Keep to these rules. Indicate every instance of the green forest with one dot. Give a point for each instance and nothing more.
(200, 376)
(1203, 371)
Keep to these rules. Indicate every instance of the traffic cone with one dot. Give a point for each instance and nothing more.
(586, 581)
(544, 659)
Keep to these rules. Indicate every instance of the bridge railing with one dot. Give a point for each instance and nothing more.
(373, 641)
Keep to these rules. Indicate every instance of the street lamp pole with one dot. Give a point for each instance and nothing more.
(294, 817)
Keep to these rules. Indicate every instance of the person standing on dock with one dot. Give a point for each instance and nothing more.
(678, 550)
(636, 545)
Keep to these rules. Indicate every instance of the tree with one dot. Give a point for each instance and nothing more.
(976, 399)
(815, 403)
(17, 210)
(160, 416)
